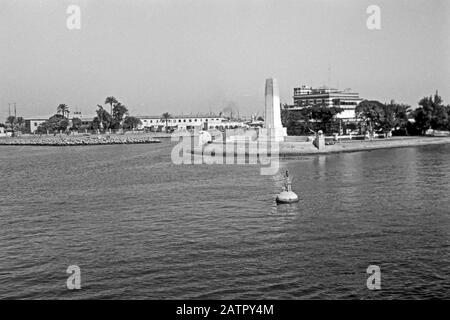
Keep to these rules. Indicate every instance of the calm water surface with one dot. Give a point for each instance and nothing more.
(141, 227)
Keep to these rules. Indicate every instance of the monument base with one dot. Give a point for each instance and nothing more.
(319, 142)
(272, 134)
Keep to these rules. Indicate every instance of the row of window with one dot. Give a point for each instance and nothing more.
(321, 101)
(177, 120)
(312, 101)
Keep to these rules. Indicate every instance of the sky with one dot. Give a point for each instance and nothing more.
(199, 56)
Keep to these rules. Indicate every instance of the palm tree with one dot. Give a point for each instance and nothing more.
(111, 100)
(20, 123)
(100, 116)
(63, 109)
(11, 123)
(166, 116)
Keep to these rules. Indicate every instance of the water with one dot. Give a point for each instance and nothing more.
(139, 226)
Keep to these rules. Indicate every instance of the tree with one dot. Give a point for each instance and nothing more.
(55, 123)
(166, 116)
(296, 121)
(131, 122)
(370, 113)
(111, 101)
(395, 118)
(10, 121)
(377, 116)
(15, 124)
(76, 124)
(324, 115)
(310, 119)
(119, 111)
(63, 109)
(431, 114)
(96, 124)
(20, 121)
(387, 120)
(104, 118)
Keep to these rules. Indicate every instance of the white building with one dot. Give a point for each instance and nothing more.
(306, 96)
(189, 122)
(34, 123)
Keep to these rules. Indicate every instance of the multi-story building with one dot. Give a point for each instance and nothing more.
(306, 96)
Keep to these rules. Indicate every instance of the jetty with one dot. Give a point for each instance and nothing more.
(76, 140)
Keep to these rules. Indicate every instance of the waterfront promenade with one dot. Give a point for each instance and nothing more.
(307, 148)
(302, 148)
(286, 149)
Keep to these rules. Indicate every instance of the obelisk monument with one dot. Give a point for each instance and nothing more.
(273, 129)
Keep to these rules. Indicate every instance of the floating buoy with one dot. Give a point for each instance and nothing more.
(287, 195)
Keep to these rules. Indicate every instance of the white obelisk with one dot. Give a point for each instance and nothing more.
(273, 128)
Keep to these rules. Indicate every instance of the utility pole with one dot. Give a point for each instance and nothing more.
(15, 115)
(329, 75)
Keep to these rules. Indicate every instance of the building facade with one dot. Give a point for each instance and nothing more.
(33, 124)
(189, 122)
(306, 96)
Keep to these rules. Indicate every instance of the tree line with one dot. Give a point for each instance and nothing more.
(14, 124)
(372, 117)
(117, 118)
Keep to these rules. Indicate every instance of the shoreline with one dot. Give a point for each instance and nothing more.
(76, 140)
(296, 149)
(359, 146)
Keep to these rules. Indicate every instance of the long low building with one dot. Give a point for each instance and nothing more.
(188, 122)
(158, 123)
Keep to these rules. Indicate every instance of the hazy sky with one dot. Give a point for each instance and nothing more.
(203, 55)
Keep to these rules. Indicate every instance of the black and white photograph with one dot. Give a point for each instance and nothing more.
(246, 151)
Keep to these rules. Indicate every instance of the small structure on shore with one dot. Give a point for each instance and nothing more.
(204, 137)
(287, 195)
(319, 141)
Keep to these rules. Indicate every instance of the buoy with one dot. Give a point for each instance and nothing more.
(287, 195)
